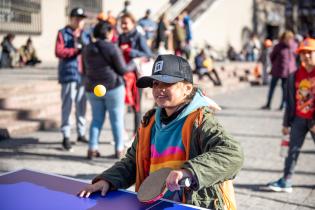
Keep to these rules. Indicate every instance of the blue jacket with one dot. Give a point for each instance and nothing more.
(69, 55)
(138, 44)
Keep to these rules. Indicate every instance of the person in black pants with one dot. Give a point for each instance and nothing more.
(283, 63)
(299, 113)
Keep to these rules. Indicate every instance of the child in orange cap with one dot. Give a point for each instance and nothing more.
(299, 117)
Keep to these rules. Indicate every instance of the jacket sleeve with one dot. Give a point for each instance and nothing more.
(274, 53)
(119, 63)
(123, 173)
(290, 91)
(286, 115)
(221, 156)
(143, 51)
(285, 122)
(61, 51)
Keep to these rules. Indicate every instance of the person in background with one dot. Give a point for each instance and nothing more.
(179, 35)
(163, 34)
(204, 67)
(188, 32)
(70, 42)
(105, 65)
(125, 10)
(252, 48)
(264, 58)
(283, 60)
(111, 20)
(299, 116)
(149, 27)
(133, 45)
(8, 51)
(28, 54)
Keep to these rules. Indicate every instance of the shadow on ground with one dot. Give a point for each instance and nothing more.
(252, 169)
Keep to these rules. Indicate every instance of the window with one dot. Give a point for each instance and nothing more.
(20, 16)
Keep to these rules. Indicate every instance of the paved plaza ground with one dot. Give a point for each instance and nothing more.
(258, 131)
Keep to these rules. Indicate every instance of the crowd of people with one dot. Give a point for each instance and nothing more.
(299, 106)
(113, 48)
(109, 53)
(291, 60)
(11, 57)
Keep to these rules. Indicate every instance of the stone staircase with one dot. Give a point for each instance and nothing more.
(28, 106)
(30, 98)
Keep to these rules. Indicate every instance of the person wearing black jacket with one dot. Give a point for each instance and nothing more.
(299, 117)
(105, 65)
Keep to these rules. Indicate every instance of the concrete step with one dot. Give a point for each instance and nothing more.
(41, 111)
(8, 116)
(28, 100)
(18, 127)
(37, 112)
(37, 118)
(16, 89)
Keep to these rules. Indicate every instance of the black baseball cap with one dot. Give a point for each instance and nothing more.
(78, 12)
(168, 69)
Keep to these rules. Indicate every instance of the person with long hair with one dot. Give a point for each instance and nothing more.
(283, 60)
(104, 65)
(133, 45)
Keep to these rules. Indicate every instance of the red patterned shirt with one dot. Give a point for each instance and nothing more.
(305, 93)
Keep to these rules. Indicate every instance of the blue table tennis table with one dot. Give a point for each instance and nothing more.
(31, 190)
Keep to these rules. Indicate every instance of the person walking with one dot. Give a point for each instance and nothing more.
(283, 61)
(299, 117)
(69, 44)
(105, 65)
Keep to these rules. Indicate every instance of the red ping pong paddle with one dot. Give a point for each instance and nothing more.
(153, 187)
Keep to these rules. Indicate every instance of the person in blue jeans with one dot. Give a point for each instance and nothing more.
(299, 117)
(105, 65)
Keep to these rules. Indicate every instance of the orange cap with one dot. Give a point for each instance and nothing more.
(267, 43)
(307, 44)
(101, 16)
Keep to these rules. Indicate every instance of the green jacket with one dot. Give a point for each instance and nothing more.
(214, 157)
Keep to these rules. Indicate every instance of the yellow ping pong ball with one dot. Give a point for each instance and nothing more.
(99, 90)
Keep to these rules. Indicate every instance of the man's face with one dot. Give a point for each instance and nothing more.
(127, 25)
(77, 22)
(308, 57)
(170, 95)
